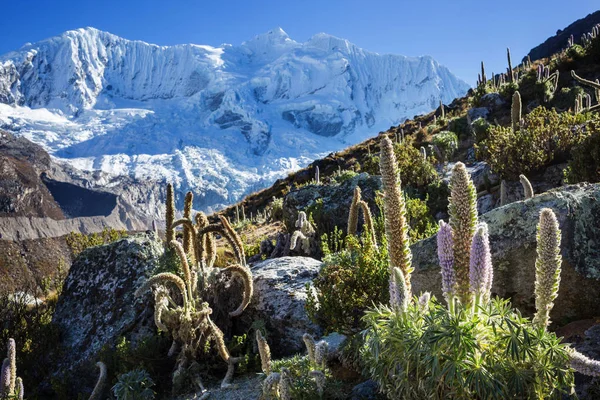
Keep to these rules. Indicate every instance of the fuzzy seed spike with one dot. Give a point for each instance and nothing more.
(264, 351)
(187, 214)
(170, 213)
(99, 388)
(353, 216)
(527, 188)
(246, 275)
(515, 112)
(463, 220)
(396, 228)
(236, 238)
(547, 267)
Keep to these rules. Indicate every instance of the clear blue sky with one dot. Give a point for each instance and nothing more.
(458, 33)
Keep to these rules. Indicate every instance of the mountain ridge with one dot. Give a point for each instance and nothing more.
(222, 121)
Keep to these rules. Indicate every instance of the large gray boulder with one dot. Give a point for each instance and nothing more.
(97, 305)
(279, 300)
(512, 231)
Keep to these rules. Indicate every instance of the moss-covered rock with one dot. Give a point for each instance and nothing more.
(512, 231)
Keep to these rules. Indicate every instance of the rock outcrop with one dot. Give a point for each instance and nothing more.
(279, 300)
(329, 204)
(512, 231)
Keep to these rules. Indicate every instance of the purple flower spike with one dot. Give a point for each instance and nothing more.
(481, 271)
(445, 245)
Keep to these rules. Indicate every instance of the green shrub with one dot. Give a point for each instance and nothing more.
(507, 90)
(576, 52)
(437, 197)
(134, 385)
(481, 129)
(276, 208)
(420, 221)
(344, 176)
(414, 170)
(565, 97)
(459, 125)
(78, 242)
(428, 352)
(447, 143)
(584, 165)
(545, 137)
(349, 282)
(303, 385)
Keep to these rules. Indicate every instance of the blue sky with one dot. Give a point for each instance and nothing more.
(457, 33)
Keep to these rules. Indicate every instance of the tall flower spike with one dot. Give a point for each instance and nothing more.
(187, 213)
(503, 193)
(396, 227)
(399, 295)
(285, 384)
(547, 267)
(527, 188)
(99, 388)
(424, 301)
(265, 352)
(20, 389)
(481, 273)
(353, 216)
(170, 214)
(270, 383)
(463, 220)
(321, 352)
(309, 341)
(445, 248)
(369, 227)
(12, 357)
(5, 378)
(584, 365)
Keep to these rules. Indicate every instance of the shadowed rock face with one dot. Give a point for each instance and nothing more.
(512, 230)
(77, 201)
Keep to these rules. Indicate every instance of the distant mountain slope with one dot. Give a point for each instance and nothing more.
(222, 121)
(558, 42)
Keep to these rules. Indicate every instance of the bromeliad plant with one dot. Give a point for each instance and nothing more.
(183, 312)
(476, 347)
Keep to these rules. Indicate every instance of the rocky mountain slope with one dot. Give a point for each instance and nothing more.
(221, 121)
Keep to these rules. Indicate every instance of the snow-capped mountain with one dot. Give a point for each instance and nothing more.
(222, 121)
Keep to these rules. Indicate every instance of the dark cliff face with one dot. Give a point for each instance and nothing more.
(22, 192)
(558, 42)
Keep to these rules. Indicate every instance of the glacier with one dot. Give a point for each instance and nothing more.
(220, 121)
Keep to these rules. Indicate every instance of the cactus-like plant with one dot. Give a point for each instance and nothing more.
(424, 153)
(190, 324)
(515, 111)
(170, 214)
(442, 111)
(483, 77)
(594, 85)
(396, 227)
(305, 233)
(317, 176)
(100, 383)
(527, 188)
(510, 68)
(547, 267)
(463, 221)
(503, 193)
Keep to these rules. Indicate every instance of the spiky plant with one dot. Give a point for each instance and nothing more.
(190, 323)
(170, 214)
(187, 213)
(396, 227)
(527, 188)
(462, 209)
(515, 111)
(547, 267)
(100, 383)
